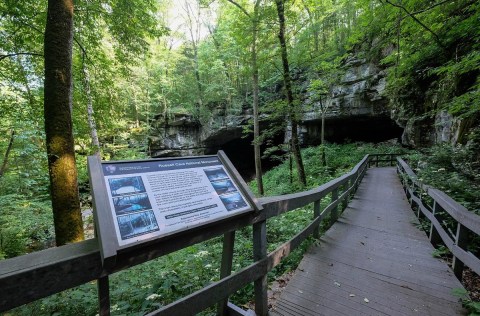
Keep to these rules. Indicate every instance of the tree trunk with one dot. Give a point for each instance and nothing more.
(256, 123)
(255, 91)
(195, 38)
(90, 112)
(322, 139)
(288, 89)
(315, 26)
(7, 154)
(58, 122)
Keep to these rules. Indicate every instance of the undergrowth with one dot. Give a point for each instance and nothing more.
(156, 283)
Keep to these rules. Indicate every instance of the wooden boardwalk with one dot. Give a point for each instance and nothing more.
(373, 261)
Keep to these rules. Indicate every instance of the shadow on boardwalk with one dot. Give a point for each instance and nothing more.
(373, 261)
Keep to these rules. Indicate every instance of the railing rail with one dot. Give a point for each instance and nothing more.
(435, 206)
(33, 276)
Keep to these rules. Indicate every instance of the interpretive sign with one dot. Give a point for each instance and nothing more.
(153, 198)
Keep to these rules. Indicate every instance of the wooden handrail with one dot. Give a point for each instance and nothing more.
(33, 276)
(467, 223)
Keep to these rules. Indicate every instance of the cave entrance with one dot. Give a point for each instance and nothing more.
(241, 154)
(353, 129)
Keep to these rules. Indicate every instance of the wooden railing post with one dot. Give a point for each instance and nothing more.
(259, 253)
(345, 198)
(354, 183)
(226, 267)
(334, 212)
(420, 214)
(103, 296)
(434, 236)
(316, 213)
(461, 240)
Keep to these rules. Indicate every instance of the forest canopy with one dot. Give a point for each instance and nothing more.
(136, 60)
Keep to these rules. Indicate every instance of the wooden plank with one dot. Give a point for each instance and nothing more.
(214, 292)
(467, 258)
(260, 253)
(277, 205)
(403, 258)
(234, 310)
(372, 253)
(406, 168)
(226, 285)
(92, 264)
(377, 305)
(318, 266)
(316, 213)
(169, 244)
(468, 219)
(334, 210)
(103, 288)
(40, 274)
(364, 284)
(461, 241)
(315, 304)
(226, 266)
(33, 276)
(391, 268)
(276, 256)
(280, 204)
(435, 238)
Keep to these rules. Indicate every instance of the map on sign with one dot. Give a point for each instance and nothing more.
(157, 197)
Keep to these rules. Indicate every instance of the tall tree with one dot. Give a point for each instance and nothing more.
(194, 25)
(287, 81)
(58, 122)
(7, 153)
(254, 19)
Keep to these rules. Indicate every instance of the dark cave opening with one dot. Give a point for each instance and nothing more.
(340, 131)
(240, 152)
(353, 129)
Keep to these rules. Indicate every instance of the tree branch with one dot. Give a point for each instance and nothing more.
(240, 7)
(17, 54)
(437, 39)
(430, 7)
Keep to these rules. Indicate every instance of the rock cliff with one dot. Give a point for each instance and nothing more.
(357, 110)
(356, 107)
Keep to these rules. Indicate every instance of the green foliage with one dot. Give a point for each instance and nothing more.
(454, 170)
(156, 283)
(430, 67)
(139, 69)
(26, 224)
(441, 251)
(472, 306)
(452, 84)
(340, 159)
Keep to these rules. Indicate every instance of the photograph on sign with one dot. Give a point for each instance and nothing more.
(154, 198)
(129, 185)
(137, 224)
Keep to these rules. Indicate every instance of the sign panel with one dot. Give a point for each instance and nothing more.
(152, 198)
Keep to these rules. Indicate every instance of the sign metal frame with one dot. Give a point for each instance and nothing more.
(107, 226)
